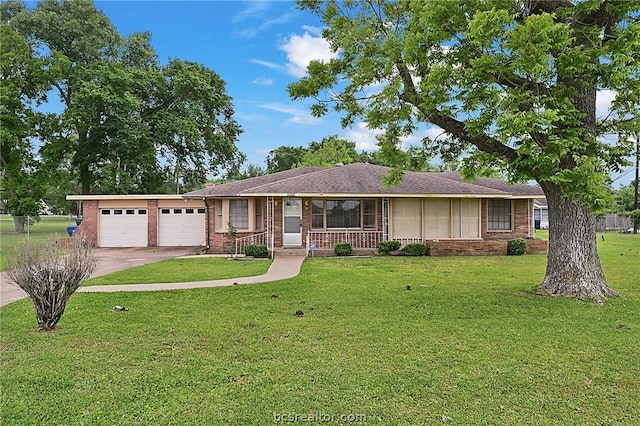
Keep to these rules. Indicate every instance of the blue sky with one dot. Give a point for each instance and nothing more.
(258, 47)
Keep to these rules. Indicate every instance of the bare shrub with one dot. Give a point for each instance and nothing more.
(50, 275)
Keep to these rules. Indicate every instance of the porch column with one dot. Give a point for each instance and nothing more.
(385, 219)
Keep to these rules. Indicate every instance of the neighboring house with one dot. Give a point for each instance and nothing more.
(314, 208)
(541, 213)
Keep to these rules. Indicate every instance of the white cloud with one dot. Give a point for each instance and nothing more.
(603, 102)
(316, 31)
(363, 137)
(262, 81)
(302, 49)
(265, 25)
(256, 11)
(299, 116)
(266, 64)
(255, 8)
(434, 132)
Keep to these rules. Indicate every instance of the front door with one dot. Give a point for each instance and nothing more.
(292, 222)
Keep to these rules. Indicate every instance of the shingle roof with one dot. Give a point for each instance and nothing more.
(234, 189)
(540, 202)
(515, 189)
(360, 179)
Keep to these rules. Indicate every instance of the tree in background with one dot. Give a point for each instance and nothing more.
(246, 172)
(333, 150)
(125, 117)
(284, 158)
(625, 204)
(512, 83)
(329, 152)
(21, 183)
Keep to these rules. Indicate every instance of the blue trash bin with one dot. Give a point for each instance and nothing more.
(71, 229)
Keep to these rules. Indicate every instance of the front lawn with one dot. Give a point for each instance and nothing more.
(468, 344)
(39, 231)
(202, 268)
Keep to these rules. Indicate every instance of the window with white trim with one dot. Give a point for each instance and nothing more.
(369, 214)
(340, 214)
(499, 215)
(219, 216)
(317, 214)
(239, 213)
(257, 209)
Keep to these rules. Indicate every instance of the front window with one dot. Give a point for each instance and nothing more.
(499, 215)
(343, 213)
(317, 214)
(340, 214)
(258, 214)
(220, 220)
(369, 214)
(239, 213)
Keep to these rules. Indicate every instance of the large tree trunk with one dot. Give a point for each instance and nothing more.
(573, 265)
(18, 223)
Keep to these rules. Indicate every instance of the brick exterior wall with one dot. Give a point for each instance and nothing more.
(492, 243)
(479, 248)
(152, 223)
(522, 227)
(89, 225)
(218, 242)
(277, 222)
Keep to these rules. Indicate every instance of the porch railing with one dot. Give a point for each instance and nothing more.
(258, 239)
(405, 241)
(358, 239)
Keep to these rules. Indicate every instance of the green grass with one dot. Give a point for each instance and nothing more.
(468, 344)
(39, 231)
(183, 270)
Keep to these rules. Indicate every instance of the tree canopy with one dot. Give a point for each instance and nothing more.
(21, 182)
(512, 83)
(332, 150)
(128, 124)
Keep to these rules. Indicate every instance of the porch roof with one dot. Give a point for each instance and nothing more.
(361, 179)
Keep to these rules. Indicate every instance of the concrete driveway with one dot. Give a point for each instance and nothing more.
(109, 260)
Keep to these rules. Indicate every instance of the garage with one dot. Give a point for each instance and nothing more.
(123, 227)
(181, 226)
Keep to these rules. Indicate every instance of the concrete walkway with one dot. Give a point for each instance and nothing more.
(281, 268)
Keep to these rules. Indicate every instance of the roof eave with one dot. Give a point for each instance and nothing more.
(104, 197)
(378, 195)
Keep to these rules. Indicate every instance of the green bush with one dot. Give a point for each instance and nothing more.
(385, 247)
(343, 249)
(256, 250)
(517, 247)
(416, 249)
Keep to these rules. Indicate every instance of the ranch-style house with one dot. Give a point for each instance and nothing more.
(310, 209)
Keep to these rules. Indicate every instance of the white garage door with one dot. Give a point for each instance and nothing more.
(181, 227)
(123, 227)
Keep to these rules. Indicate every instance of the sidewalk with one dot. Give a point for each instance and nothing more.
(282, 267)
(109, 260)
